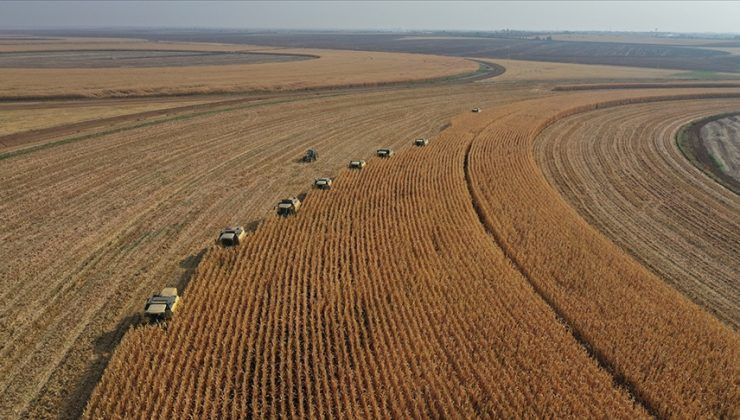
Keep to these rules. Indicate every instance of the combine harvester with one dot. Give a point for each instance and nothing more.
(322, 183)
(160, 307)
(357, 164)
(288, 206)
(421, 142)
(384, 153)
(231, 236)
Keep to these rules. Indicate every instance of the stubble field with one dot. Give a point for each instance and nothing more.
(622, 170)
(125, 214)
(329, 68)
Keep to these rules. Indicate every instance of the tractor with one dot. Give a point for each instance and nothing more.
(310, 156)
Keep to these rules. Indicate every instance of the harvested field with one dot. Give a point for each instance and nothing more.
(129, 212)
(135, 58)
(381, 302)
(420, 287)
(333, 69)
(621, 169)
(21, 117)
(659, 85)
(547, 72)
(634, 54)
(417, 287)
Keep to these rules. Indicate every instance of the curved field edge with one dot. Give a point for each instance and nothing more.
(390, 301)
(332, 70)
(677, 357)
(691, 145)
(485, 71)
(620, 169)
(676, 361)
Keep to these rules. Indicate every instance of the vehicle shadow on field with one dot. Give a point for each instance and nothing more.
(103, 347)
(189, 264)
(105, 344)
(252, 226)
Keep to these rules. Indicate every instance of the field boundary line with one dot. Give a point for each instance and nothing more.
(619, 379)
(485, 70)
(620, 86)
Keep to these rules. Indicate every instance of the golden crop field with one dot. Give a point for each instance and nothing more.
(547, 257)
(140, 205)
(326, 68)
(406, 290)
(645, 201)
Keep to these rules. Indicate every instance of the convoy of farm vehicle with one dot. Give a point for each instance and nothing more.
(160, 307)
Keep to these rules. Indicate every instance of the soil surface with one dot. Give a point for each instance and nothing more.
(721, 138)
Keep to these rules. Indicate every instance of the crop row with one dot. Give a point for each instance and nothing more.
(674, 357)
(383, 297)
(116, 217)
(621, 169)
(448, 281)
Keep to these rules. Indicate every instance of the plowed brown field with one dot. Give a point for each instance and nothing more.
(448, 281)
(622, 170)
